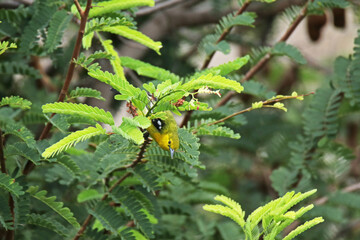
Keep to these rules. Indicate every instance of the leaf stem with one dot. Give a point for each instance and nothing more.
(84, 15)
(265, 103)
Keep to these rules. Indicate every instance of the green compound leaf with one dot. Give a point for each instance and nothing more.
(58, 23)
(133, 207)
(15, 102)
(105, 7)
(79, 109)
(64, 212)
(283, 49)
(86, 92)
(109, 218)
(8, 184)
(135, 36)
(216, 82)
(73, 139)
(129, 130)
(46, 222)
(115, 61)
(148, 70)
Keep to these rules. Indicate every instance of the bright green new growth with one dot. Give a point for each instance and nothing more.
(274, 216)
(79, 109)
(73, 139)
(15, 102)
(5, 46)
(134, 35)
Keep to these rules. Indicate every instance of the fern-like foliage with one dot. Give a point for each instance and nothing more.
(118, 83)
(79, 109)
(274, 216)
(224, 69)
(14, 16)
(12, 68)
(96, 24)
(20, 131)
(58, 23)
(135, 36)
(291, 13)
(15, 102)
(258, 53)
(148, 70)
(202, 127)
(86, 92)
(73, 139)
(44, 10)
(88, 62)
(318, 6)
(115, 60)
(216, 82)
(21, 210)
(5, 46)
(209, 43)
(148, 177)
(5, 214)
(257, 89)
(185, 160)
(129, 128)
(48, 223)
(22, 149)
(283, 49)
(102, 8)
(134, 208)
(347, 74)
(10, 185)
(108, 217)
(57, 207)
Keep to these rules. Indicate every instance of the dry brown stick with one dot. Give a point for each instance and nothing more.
(208, 59)
(132, 165)
(2, 157)
(83, 18)
(268, 56)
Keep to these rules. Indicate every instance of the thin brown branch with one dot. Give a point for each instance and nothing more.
(77, 4)
(44, 134)
(268, 56)
(133, 164)
(208, 58)
(224, 34)
(266, 103)
(2, 157)
(10, 235)
(45, 79)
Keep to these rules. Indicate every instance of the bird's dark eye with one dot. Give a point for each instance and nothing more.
(158, 123)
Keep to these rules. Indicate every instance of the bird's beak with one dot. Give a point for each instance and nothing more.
(171, 152)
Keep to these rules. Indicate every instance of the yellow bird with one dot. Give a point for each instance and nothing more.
(165, 133)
